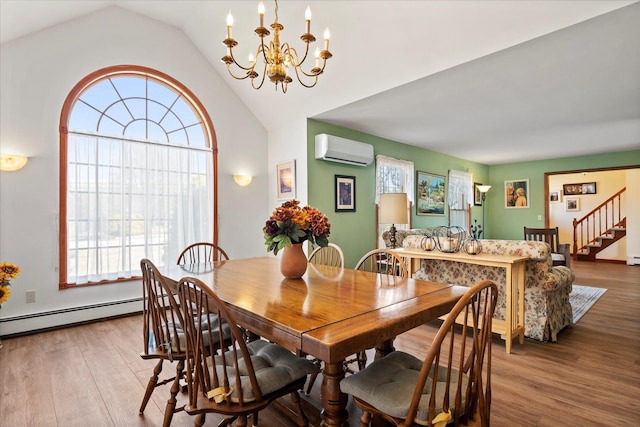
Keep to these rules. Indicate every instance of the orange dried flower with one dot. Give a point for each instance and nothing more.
(290, 223)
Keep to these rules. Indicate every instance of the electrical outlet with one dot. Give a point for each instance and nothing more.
(31, 296)
(539, 217)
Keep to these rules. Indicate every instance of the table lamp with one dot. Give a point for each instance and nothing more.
(393, 210)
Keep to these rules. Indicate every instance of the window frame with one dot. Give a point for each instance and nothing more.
(65, 114)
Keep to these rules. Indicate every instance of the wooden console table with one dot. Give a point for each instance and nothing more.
(513, 325)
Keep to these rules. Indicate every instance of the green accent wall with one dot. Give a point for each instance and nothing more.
(503, 223)
(355, 231)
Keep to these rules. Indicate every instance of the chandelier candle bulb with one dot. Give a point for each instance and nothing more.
(327, 35)
(261, 13)
(229, 24)
(307, 17)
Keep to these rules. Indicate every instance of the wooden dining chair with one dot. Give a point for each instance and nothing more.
(198, 253)
(377, 261)
(452, 384)
(383, 261)
(331, 255)
(239, 382)
(560, 252)
(328, 255)
(163, 336)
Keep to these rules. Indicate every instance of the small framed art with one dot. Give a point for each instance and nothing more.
(286, 179)
(430, 194)
(477, 195)
(573, 204)
(555, 197)
(345, 193)
(516, 193)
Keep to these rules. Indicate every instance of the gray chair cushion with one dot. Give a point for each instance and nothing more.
(226, 332)
(388, 385)
(275, 367)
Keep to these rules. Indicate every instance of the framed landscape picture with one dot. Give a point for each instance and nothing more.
(286, 179)
(430, 194)
(345, 193)
(516, 193)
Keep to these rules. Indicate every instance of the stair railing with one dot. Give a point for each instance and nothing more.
(599, 221)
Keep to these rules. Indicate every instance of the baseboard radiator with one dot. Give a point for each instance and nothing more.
(633, 260)
(54, 319)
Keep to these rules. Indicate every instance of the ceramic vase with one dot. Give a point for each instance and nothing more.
(293, 263)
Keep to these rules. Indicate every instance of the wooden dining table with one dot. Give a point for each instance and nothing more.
(330, 313)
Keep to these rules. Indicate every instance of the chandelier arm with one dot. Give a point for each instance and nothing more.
(264, 74)
(264, 49)
(311, 73)
(293, 54)
(233, 58)
(233, 75)
(315, 81)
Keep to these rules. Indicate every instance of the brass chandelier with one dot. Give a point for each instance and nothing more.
(278, 58)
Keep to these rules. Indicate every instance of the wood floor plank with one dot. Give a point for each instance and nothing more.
(93, 374)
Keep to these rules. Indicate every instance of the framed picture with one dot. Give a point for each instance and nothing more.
(571, 189)
(430, 194)
(580, 188)
(477, 195)
(573, 204)
(516, 193)
(286, 179)
(345, 193)
(589, 188)
(555, 197)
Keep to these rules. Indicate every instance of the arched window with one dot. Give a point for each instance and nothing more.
(137, 174)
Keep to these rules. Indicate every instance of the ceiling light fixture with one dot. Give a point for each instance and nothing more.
(278, 58)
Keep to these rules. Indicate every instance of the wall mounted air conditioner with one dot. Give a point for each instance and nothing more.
(341, 150)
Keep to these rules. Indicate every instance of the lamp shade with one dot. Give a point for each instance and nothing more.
(484, 188)
(393, 208)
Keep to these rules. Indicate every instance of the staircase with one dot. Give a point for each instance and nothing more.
(600, 228)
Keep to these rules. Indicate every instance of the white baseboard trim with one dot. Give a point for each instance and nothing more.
(36, 322)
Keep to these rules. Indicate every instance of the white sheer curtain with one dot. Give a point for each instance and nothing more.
(460, 197)
(393, 176)
(129, 200)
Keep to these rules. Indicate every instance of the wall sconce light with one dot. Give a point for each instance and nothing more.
(242, 180)
(12, 162)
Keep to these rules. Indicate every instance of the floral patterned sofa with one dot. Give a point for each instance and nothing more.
(547, 288)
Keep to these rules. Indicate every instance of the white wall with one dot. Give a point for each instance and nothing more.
(288, 143)
(36, 74)
(633, 215)
(607, 184)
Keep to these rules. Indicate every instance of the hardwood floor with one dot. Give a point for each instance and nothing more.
(93, 375)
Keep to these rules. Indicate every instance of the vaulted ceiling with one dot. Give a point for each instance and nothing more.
(491, 81)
